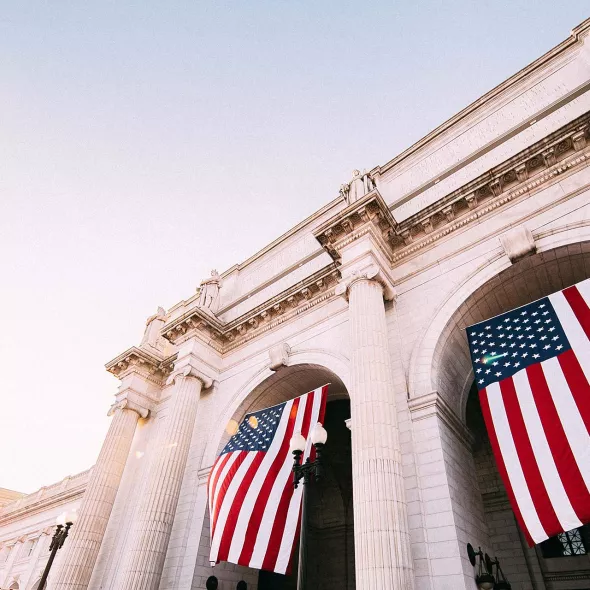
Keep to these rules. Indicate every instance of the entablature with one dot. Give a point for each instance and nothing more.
(521, 175)
(556, 154)
(286, 305)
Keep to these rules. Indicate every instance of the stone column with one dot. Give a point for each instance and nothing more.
(382, 555)
(146, 552)
(83, 544)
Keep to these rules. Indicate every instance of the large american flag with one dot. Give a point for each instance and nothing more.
(532, 369)
(254, 509)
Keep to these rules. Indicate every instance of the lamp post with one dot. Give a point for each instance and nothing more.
(484, 578)
(64, 521)
(501, 582)
(308, 472)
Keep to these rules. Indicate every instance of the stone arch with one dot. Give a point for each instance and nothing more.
(493, 288)
(333, 367)
(330, 518)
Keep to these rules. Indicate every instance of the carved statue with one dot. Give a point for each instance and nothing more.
(359, 186)
(153, 326)
(209, 292)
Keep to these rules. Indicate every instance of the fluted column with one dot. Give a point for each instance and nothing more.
(83, 544)
(142, 567)
(382, 558)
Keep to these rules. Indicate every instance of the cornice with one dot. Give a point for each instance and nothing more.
(369, 215)
(432, 404)
(153, 367)
(556, 154)
(28, 510)
(568, 576)
(286, 305)
(575, 39)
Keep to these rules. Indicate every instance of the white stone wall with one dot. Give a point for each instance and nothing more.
(32, 518)
(442, 284)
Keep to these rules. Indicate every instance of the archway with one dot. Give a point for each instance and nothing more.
(554, 564)
(330, 523)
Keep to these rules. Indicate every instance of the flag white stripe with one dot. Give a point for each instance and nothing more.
(584, 289)
(274, 497)
(284, 556)
(239, 536)
(227, 504)
(569, 415)
(549, 473)
(226, 468)
(512, 462)
(573, 330)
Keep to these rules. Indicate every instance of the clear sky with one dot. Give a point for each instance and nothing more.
(144, 143)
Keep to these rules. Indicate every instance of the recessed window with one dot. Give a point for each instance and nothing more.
(572, 543)
(567, 544)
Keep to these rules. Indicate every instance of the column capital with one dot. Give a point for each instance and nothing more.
(128, 404)
(371, 272)
(191, 371)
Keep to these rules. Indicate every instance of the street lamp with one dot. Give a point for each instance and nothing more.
(308, 472)
(501, 581)
(64, 521)
(484, 578)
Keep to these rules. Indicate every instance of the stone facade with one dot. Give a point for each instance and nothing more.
(372, 294)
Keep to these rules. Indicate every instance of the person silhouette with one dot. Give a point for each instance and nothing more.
(242, 585)
(212, 583)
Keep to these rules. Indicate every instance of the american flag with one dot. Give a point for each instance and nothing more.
(254, 509)
(532, 369)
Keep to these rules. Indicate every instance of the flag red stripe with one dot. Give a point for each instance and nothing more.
(222, 460)
(485, 409)
(232, 517)
(224, 485)
(276, 535)
(262, 500)
(526, 456)
(577, 382)
(579, 307)
(565, 461)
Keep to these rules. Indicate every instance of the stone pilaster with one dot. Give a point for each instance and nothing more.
(382, 555)
(145, 555)
(10, 562)
(81, 549)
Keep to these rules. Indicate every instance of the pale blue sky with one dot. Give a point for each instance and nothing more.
(144, 143)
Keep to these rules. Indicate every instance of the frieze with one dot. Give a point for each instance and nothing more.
(554, 155)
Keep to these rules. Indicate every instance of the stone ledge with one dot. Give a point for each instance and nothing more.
(432, 404)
